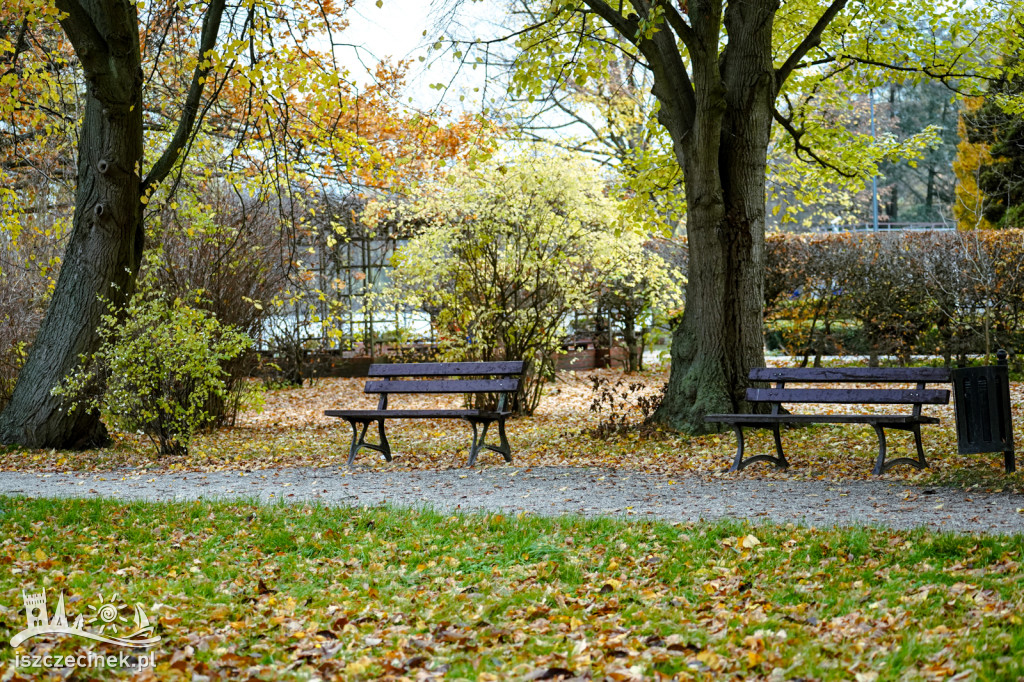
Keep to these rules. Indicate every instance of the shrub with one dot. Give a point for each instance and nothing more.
(950, 293)
(887, 294)
(232, 250)
(503, 256)
(160, 363)
(640, 290)
(806, 282)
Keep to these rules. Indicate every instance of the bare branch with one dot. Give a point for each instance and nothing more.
(944, 76)
(679, 25)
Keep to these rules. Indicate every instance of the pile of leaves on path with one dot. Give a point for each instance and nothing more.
(305, 592)
(292, 430)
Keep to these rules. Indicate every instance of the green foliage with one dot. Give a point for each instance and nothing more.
(641, 289)
(506, 253)
(159, 365)
(824, 152)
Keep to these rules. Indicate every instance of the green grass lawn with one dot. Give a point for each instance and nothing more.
(242, 591)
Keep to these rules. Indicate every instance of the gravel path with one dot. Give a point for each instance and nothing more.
(560, 490)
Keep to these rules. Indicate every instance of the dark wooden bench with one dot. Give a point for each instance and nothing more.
(437, 377)
(780, 393)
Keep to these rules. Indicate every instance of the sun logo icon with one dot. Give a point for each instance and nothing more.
(107, 615)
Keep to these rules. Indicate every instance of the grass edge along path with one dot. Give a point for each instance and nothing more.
(246, 591)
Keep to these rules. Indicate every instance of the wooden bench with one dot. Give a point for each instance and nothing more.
(439, 377)
(779, 394)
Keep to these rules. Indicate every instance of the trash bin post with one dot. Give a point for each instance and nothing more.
(1009, 457)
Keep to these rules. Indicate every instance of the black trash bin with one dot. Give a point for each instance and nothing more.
(981, 396)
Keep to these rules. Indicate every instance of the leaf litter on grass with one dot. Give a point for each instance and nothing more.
(292, 431)
(300, 591)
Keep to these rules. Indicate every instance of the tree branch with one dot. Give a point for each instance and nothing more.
(679, 25)
(20, 45)
(627, 27)
(90, 46)
(508, 36)
(190, 111)
(810, 41)
(662, 54)
(798, 146)
(944, 76)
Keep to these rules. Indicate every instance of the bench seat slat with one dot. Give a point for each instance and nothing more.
(443, 386)
(932, 375)
(447, 369)
(865, 396)
(763, 419)
(416, 414)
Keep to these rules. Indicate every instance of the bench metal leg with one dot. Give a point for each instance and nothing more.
(881, 466)
(1010, 460)
(479, 443)
(503, 449)
(359, 439)
(739, 464)
(778, 448)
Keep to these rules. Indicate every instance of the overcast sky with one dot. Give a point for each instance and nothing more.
(395, 31)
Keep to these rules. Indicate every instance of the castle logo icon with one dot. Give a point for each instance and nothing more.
(107, 616)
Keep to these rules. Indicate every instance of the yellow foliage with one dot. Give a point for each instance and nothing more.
(967, 209)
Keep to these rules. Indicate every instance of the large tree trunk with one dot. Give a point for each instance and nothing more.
(721, 336)
(718, 107)
(105, 248)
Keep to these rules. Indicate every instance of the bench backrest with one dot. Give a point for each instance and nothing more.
(868, 396)
(928, 375)
(441, 377)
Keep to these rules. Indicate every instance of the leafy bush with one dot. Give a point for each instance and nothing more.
(160, 364)
(232, 248)
(504, 255)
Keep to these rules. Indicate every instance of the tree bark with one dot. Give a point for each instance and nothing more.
(892, 209)
(724, 165)
(105, 248)
(629, 337)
